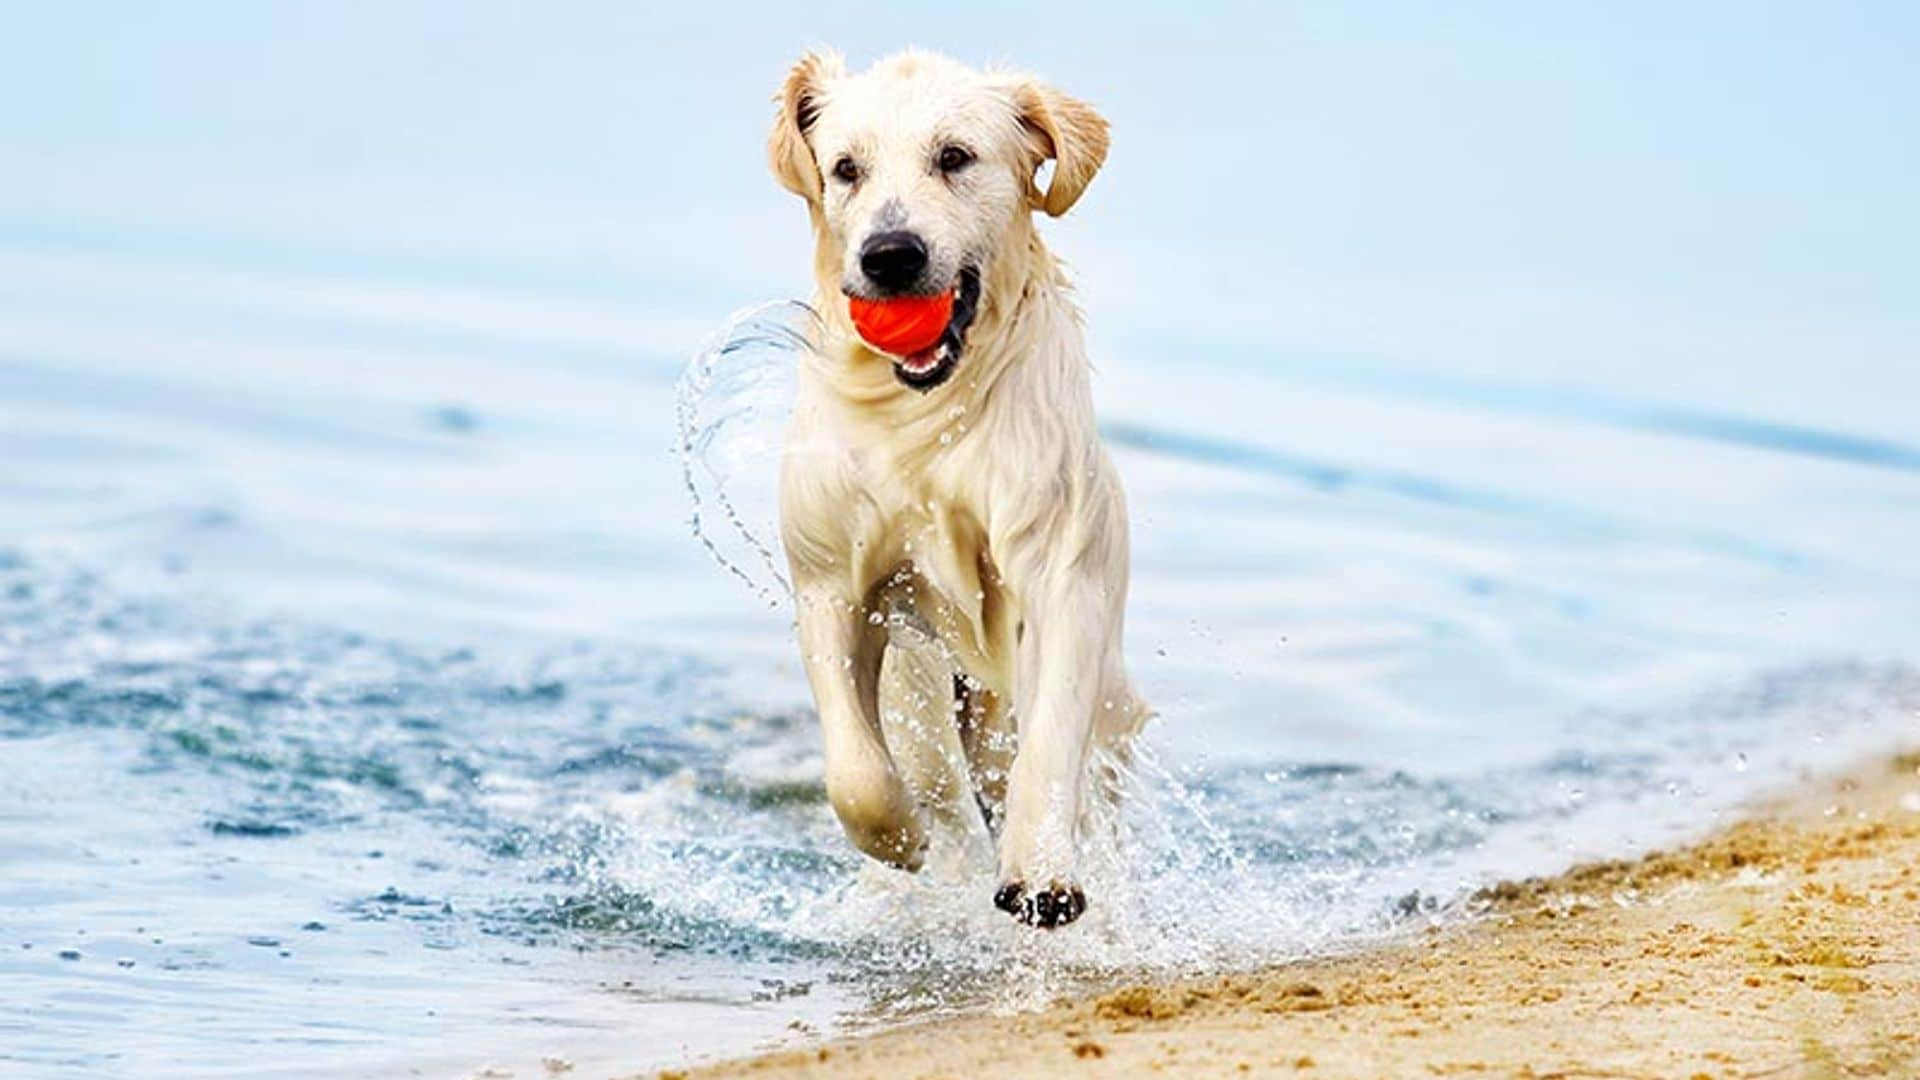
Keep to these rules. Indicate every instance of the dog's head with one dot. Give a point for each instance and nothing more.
(920, 173)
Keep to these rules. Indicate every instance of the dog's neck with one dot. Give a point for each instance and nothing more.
(1027, 316)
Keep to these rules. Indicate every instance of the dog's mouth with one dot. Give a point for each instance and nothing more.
(935, 364)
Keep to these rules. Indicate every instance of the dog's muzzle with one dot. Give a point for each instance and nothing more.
(893, 261)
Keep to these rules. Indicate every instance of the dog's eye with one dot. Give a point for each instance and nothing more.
(846, 171)
(954, 158)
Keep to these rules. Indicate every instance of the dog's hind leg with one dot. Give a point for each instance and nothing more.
(917, 718)
(987, 740)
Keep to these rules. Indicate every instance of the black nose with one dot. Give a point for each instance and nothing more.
(893, 260)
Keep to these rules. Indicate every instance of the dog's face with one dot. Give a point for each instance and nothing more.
(919, 173)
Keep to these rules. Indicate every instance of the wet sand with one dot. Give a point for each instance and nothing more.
(1787, 945)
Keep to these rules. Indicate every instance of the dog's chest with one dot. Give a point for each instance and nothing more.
(923, 508)
(931, 518)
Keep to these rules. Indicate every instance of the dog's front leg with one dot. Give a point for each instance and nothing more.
(842, 654)
(1068, 642)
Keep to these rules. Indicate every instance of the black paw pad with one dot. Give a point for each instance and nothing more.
(1056, 905)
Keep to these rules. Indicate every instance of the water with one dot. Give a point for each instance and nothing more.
(368, 705)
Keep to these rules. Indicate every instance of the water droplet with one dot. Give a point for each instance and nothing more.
(1740, 762)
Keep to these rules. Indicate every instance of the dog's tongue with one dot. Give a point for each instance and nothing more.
(902, 326)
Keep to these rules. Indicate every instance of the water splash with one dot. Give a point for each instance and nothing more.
(731, 406)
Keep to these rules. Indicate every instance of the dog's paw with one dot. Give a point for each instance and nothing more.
(903, 848)
(884, 827)
(1055, 905)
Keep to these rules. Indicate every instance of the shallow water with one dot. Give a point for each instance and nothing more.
(367, 703)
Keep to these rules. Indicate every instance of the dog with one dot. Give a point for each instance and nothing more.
(956, 532)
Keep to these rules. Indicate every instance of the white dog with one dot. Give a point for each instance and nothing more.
(956, 532)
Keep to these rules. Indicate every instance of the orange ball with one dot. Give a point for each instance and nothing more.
(904, 325)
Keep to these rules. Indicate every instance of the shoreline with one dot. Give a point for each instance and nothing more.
(1784, 945)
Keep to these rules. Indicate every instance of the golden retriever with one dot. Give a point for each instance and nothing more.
(956, 532)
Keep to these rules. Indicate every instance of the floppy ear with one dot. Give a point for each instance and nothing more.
(799, 102)
(1069, 132)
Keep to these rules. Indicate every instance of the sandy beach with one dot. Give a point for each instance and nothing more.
(1786, 945)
